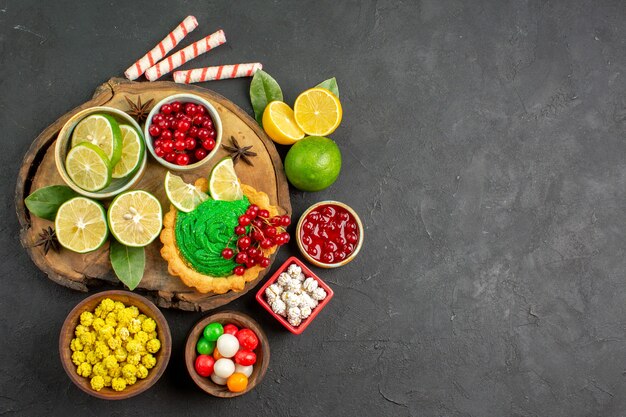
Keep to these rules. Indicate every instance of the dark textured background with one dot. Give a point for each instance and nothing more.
(484, 147)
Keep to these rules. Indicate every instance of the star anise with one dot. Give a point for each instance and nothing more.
(48, 239)
(239, 152)
(139, 110)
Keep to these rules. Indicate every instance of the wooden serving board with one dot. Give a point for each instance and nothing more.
(83, 272)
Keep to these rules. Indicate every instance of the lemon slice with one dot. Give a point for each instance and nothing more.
(280, 125)
(132, 152)
(103, 131)
(318, 112)
(135, 218)
(223, 183)
(88, 167)
(185, 197)
(81, 225)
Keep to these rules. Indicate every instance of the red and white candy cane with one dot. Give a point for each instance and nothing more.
(221, 72)
(163, 48)
(179, 58)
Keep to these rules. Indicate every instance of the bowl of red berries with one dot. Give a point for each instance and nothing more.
(183, 132)
(329, 234)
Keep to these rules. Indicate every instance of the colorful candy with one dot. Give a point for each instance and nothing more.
(237, 382)
(228, 345)
(221, 72)
(247, 339)
(224, 367)
(204, 365)
(213, 331)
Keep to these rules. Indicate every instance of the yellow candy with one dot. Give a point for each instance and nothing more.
(87, 338)
(80, 329)
(84, 369)
(133, 359)
(148, 326)
(142, 337)
(120, 354)
(111, 319)
(86, 318)
(97, 383)
(99, 369)
(98, 324)
(122, 332)
(91, 358)
(115, 372)
(142, 318)
(119, 306)
(76, 345)
(148, 361)
(153, 346)
(110, 362)
(107, 380)
(130, 380)
(107, 305)
(134, 326)
(114, 342)
(118, 384)
(142, 372)
(78, 357)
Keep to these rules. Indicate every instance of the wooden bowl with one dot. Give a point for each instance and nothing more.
(144, 306)
(262, 352)
(357, 247)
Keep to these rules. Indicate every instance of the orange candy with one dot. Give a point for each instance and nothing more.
(216, 354)
(237, 382)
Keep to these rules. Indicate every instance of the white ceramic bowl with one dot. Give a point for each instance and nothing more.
(357, 247)
(184, 98)
(118, 185)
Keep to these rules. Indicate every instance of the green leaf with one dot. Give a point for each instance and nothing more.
(330, 84)
(128, 263)
(263, 90)
(46, 201)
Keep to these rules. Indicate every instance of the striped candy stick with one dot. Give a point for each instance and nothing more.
(221, 72)
(179, 58)
(163, 48)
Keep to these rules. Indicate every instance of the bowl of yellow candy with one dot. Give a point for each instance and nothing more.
(115, 345)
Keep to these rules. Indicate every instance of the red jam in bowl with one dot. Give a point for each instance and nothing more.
(329, 234)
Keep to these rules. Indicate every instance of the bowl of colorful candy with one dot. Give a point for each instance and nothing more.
(227, 354)
(183, 132)
(329, 234)
(115, 345)
(294, 295)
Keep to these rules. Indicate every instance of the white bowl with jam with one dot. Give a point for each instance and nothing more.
(329, 234)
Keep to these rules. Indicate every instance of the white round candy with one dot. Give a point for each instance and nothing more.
(310, 285)
(218, 379)
(224, 368)
(228, 345)
(246, 370)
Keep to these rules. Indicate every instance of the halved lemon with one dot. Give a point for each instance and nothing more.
(103, 131)
(280, 124)
(185, 197)
(81, 225)
(135, 218)
(317, 111)
(133, 149)
(223, 182)
(88, 167)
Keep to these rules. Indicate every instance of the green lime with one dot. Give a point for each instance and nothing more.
(213, 331)
(135, 218)
(103, 131)
(313, 163)
(88, 167)
(132, 152)
(81, 225)
(204, 347)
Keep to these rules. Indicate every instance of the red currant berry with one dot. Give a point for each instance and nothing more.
(244, 242)
(154, 130)
(166, 109)
(241, 258)
(267, 243)
(327, 258)
(228, 253)
(190, 143)
(179, 145)
(166, 135)
(285, 221)
(190, 109)
(167, 145)
(264, 262)
(307, 240)
(208, 123)
(352, 237)
(158, 118)
(159, 152)
(197, 120)
(200, 109)
(179, 135)
(285, 237)
(208, 144)
(203, 134)
(352, 226)
(244, 220)
(253, 210)
(257, 235)
(192, 132)
(200, 154)
(183, 126)
(340, 242)
(314, 216)
(176, 106)
(308, 226)
(343, 216)
(212, 133)
(170, 157)
(250, 263)
(330, 246)
(239, 270)
(270, 231)
(340, 256)
(182, 159)
(253, 252)
(240, 230)
(328, 211)
(264, 213)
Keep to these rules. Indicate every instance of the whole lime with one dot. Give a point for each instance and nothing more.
(313, 163)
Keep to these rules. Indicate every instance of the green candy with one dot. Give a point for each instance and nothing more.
(205, 347)
(213, 331)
